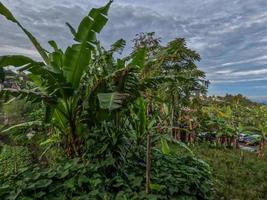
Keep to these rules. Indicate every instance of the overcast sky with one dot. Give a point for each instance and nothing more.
(230, 35)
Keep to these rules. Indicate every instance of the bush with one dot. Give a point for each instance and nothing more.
(172, 178)
(184, 177)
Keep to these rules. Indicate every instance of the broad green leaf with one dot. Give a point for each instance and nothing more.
(121, 196)
(25, 94)
(56, 59)
(4, 189)
(155, 187)
(6, 13)
(60, 117)
(39, 194)
(22, 125)
(139, 58)
(93, 23)
(70, 184)
(152, 122)
(77, 57)
(83, 179)
(137, 182)
(72, 30)
(184, 146)
(53, 44)
(49, 111)
(51, 140)
(76, 60)
(85, 32)
(164, 146)
(36, 79)
(42, 183)
(16, 61)
(111, 101)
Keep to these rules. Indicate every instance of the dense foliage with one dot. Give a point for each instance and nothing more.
(87, 122)
(172, 177)
(96, 114)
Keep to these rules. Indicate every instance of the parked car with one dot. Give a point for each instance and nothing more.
(242, 137)
(253, 139)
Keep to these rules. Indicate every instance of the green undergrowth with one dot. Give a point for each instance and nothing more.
(173, 177)
(13, 158)
(238, 174)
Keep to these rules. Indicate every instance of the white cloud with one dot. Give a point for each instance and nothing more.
(230, 36)
(238, 80)
(12, 50)
(250, 72)
(240, 62)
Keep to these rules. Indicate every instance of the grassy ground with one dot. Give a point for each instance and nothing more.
(238, 175)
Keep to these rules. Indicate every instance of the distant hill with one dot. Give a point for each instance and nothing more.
(262, 100)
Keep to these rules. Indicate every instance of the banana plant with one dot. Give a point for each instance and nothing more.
(81, 83)
(57, 81)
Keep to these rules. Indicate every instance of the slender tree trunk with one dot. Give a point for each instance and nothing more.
(261, 148)
(178, 136)
(230, 141)
(192, 137)
(148, 153)
(172, 118)
(187, 137)
(236, 143)
(148, 163)
(172, 124)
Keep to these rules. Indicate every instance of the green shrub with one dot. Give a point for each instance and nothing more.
(175, 177)
(172, 178)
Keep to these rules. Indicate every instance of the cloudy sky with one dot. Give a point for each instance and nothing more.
(230, 35)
